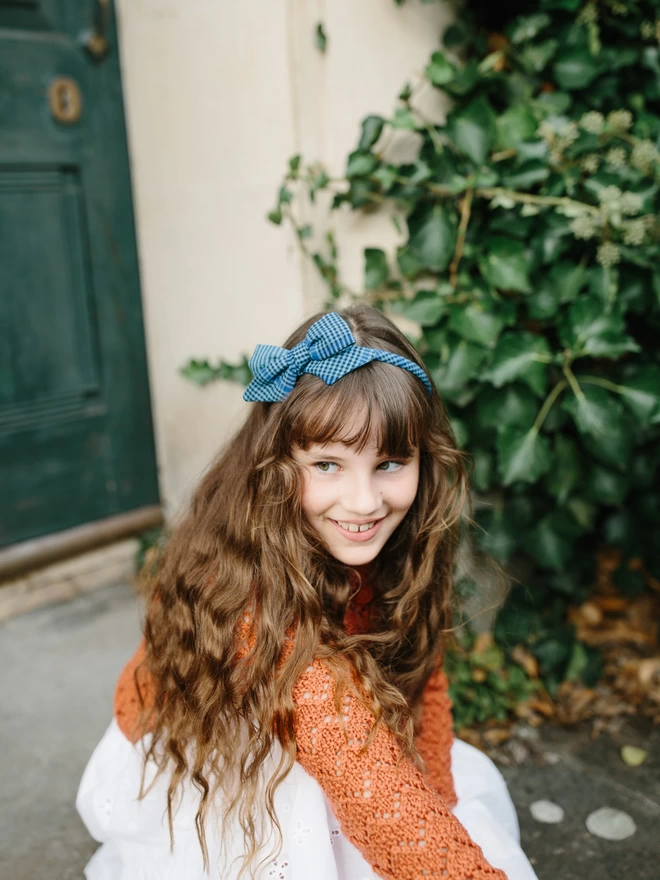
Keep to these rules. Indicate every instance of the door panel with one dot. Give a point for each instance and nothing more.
(50, 332)
(76, 437)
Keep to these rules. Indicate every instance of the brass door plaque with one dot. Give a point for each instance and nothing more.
(65, 100)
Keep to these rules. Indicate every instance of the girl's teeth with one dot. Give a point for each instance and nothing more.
(354, 527)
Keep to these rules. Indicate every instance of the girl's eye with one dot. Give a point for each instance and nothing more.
(325, 467)
(395, 466)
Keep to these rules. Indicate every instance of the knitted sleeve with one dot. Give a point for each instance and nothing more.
(402, 827)
(435, 737)
(127, 702)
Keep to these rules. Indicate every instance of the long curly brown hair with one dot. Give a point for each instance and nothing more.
(245, 543)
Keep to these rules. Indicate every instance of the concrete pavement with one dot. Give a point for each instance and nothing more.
(59, 666)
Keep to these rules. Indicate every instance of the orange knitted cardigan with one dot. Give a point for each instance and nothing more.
(397, 818)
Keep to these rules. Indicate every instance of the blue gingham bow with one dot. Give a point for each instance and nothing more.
(328, 351)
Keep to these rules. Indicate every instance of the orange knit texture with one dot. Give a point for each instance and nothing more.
(398, 819)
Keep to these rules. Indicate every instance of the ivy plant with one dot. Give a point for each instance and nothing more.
(529, 263)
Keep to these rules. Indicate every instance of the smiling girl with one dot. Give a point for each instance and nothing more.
(286, 714)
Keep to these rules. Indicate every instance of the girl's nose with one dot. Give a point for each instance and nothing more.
(362, 497)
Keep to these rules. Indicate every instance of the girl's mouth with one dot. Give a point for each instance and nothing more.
(355, 532)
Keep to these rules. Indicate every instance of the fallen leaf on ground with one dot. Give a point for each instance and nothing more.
(610, 824)
(633, 756)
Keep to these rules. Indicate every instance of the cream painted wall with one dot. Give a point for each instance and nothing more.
(218, 95)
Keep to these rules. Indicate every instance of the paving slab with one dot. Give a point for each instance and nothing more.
(59, 666)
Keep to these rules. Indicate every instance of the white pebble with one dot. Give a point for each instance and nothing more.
(547, 812)
(611, 824)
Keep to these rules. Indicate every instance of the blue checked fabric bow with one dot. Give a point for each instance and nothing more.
(328, 351)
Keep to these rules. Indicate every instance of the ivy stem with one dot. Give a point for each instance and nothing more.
(490, 192)
(604, 383)
(466, 208)
(572, 381)
(548, 404)
(430, 128)
(529, 198)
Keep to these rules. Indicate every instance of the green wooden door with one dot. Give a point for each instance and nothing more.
(76, 438)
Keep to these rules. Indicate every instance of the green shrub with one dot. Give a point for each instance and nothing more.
(530, 265)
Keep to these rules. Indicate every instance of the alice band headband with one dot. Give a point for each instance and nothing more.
(328, 351)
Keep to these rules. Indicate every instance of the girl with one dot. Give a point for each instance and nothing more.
(286, 715)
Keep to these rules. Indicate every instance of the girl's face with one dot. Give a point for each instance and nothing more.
(355, 500)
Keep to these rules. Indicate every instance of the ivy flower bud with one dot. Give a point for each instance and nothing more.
(608, 254)
(620, 120)
(546, 131)
(644, 155)
(631, 203)
(635, 232)
(616, 157)
(570, 133)
(610, 196)
(647, 30)
(584, 226)
(593, 122)
(589, 14)
(589, 163)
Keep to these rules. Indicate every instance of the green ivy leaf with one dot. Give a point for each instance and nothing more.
(461, 367)
(576, 69)
(372, 127)
(584, 512)
(500, 532)
(606, 486)
(476, 324)
(457, 34)
(522, 457)
(425, 308)
(360, 164)
(515, 125)
(593, 410)
(592, 331)
(536, 57)
(201, 372)
(568, 279)
(640, 391)
(543, 303)
(472, 128)
(522, 356)
(375, 268)
(408, 263)
(505, 264)
(526, 27)
(615, 446)
(460, 430)
(567, 471)
(320, 38)
(294, 164)
(432, 231)
(513, 405)
(439, 70)
(319, 181)
(482, 474)
(552, 541)
(403, 119)
(386, 176)
(467, 77)
(275, 216)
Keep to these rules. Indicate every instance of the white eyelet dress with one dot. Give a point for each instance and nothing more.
(135, 843)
